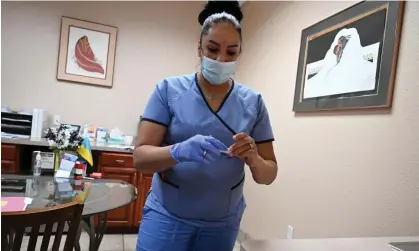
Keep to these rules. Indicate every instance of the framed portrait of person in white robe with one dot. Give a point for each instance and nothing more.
(348, 60)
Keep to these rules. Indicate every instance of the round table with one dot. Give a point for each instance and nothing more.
(100, 196)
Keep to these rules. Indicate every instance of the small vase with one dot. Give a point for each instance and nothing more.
(57, 161)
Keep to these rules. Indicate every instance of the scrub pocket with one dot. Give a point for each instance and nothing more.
(236, 195)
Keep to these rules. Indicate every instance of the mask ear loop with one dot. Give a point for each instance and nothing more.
(198, 67)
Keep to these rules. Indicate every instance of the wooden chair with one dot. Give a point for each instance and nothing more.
(13, 225)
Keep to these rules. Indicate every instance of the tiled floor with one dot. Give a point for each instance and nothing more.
(110, 242)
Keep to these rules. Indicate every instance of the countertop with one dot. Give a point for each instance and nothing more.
(332, 244)
(104, 147)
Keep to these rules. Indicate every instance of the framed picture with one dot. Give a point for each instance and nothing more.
(348, 61)
(87, 52)
(75, 128)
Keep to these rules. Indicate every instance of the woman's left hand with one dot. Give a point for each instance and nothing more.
(244, 148)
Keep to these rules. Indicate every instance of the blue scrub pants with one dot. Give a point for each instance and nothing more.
(159, 232)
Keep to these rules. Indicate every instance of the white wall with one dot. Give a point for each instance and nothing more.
(155, 40)
(341, 174)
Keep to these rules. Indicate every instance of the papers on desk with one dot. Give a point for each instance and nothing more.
(14, 204)
(65, 169)
(122, 147)
(63, 174)
(64, 188)
(66, 166)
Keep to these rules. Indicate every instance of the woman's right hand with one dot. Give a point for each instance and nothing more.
(199, 148)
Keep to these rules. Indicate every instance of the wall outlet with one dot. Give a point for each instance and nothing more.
(290, 232)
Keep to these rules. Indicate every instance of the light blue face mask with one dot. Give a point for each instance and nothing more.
(217, 72)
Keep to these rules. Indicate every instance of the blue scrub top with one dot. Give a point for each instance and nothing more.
(199, 194)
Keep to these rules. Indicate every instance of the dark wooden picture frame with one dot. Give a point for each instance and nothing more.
(348, 61)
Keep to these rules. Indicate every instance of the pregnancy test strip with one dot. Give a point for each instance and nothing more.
(228, 153)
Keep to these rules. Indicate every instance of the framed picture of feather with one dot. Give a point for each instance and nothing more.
(87, 52)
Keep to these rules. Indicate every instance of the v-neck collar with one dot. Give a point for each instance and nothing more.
(205, 100)
(219, 108)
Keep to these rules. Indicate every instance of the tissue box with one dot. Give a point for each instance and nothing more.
(116, 136)
(116, 141)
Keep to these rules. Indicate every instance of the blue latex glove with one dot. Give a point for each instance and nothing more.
(199, 148)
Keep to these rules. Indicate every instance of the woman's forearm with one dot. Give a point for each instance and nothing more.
(264, 171)
(151, 159)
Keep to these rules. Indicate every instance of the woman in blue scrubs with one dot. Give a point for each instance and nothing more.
(196, 135)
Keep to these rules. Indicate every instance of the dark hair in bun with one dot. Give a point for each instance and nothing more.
(213, 7)
(220, 12)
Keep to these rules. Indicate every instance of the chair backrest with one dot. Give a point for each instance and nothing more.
(13, 225)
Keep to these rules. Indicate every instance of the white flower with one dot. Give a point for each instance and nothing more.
(51, 143)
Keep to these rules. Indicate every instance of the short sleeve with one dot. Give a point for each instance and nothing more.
(262, 130)
(157, 108)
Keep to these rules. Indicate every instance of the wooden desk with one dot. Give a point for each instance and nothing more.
(113, 162)
(338, 244)
(103, 147)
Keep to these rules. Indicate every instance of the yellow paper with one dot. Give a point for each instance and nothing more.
(3, 203)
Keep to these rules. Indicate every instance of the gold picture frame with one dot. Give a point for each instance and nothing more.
(87, 52)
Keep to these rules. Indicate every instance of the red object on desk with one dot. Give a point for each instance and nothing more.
(78, 170)
(96, 175)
